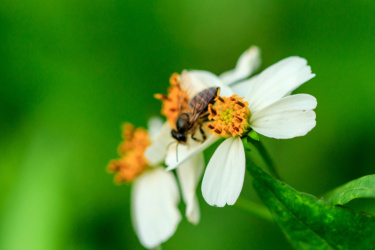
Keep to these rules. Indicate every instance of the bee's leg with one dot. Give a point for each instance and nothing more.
(195, 139)
(204, 137)
(204, 117)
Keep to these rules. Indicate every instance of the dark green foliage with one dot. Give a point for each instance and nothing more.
(246, 144)
(312, 223)
(253, 135)
(363, 187)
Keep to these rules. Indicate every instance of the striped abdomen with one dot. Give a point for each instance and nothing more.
(200, 101)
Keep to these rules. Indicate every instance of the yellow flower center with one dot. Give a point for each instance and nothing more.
(176, 100)
(133, 161)
(230, 117)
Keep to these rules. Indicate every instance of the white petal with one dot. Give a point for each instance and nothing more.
(243, 87)
(179, 153)
(155, 215)
(247, 64)
(225, 173)
(195, 81)
(289, 117)
(156, 152)
(278, 81)
(155, 125)
(189, 175)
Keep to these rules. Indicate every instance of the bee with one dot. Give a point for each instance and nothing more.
(189, 120)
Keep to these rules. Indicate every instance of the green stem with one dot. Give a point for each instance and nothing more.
(267, 159)
(254, 208)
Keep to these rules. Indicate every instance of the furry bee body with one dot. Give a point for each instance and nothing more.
(189, 120)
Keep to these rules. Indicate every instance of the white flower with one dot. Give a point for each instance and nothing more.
(273, 113)
(195, 81)
(154, 195)
(155, 198)
(191, 162)
(265, 106)
(154, 201)
(248, 63)
(189, 173)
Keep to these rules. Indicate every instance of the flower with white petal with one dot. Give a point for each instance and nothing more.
(154, 195)
(247, 64)
(191, 163)
(262, 103)
(189, 173)
(267, 108)
(188, 84)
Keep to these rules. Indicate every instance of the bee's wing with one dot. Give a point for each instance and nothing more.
(181, 98)
(197, 107)
(180, 101)
(199, 104)
(194, 115)
(190, 84)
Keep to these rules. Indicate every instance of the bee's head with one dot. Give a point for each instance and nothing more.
(180, 137)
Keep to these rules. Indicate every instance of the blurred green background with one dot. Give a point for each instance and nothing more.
(73, 71)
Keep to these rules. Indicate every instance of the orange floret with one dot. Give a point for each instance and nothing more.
(133, 161)
(176, 100)
(230, 117)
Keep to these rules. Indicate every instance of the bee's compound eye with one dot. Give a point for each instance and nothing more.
(180, 137)
(174, 134)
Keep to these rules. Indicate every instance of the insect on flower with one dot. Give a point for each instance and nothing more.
(189, 120)
(195, 81)
(263, 103)
(186, 115)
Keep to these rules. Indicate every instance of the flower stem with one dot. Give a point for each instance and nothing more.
(267, 159)
(253, 208)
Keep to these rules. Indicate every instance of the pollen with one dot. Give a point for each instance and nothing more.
(176, 100)
(229, 117)
(132, 161)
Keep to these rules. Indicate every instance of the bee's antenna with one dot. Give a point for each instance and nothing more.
(169, 144)
(177, 152)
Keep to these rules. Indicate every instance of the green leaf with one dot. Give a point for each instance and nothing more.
(253, 135)
(311, 223)
(363, 187)
(246, 144)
